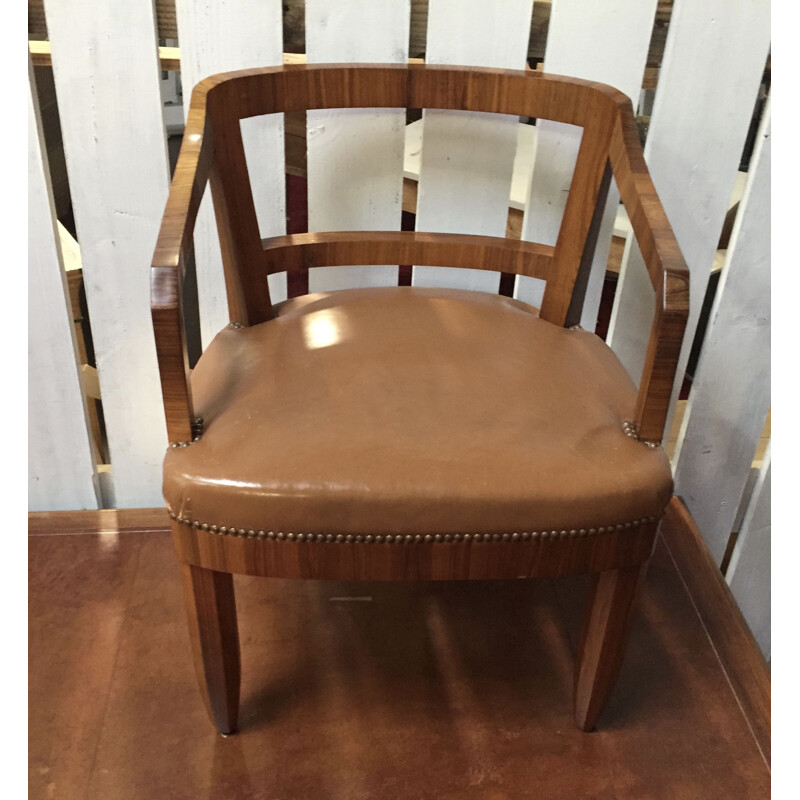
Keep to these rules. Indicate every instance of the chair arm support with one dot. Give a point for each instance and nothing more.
(167, 271)
(666, 268)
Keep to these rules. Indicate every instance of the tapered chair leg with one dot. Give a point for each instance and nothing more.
(605, 635)
(211, 610)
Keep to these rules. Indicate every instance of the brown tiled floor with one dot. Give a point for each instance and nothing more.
(421, 691)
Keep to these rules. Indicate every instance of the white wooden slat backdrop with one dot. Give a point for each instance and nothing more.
(467, 158)
(106, 70)
(108, 87)
(355, 156)
(605, 42)
(749, 571)
(219, 37)
(61, 472)
(731, 392)
(713, 63)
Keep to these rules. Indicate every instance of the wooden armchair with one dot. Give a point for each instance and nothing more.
(405, 433)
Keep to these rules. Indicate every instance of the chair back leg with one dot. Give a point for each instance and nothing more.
(605, 634)
(211, 609)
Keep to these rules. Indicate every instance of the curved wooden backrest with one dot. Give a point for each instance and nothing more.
(229, 98)
(212, 151)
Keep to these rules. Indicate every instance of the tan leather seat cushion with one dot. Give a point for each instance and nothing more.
(406, 410)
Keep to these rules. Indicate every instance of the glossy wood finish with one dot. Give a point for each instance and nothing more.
(211, 609)
(173, 247)
(305, 250)
(350, 561)
(574, 312)
(213, 150)
(582, 205)
(466, 686)
(666, 269)
(610, 136)
(605, 635)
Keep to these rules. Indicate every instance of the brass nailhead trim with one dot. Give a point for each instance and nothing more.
(629, 429)
(628, 426)
(197, 433)
(426, 538)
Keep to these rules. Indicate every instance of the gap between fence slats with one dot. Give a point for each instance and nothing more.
(749, 571)
(730, 394)
(694, 143)
(61, 471)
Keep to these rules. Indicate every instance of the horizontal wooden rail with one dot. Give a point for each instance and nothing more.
(304, 250)
(294, 33)
(169, 57)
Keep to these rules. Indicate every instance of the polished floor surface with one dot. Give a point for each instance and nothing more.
(357, 691)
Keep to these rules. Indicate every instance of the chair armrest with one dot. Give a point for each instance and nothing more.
(168, 267)
(666, 268)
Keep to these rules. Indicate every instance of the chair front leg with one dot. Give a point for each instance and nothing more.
(603, 641)
(211, 610)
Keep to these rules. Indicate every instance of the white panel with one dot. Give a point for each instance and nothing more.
(713, 62)
(355, 156)
(731, 391)
(606, 42)
(220, 37)
(60, 468)
(749, 571)
(105, 64)
(467, 158)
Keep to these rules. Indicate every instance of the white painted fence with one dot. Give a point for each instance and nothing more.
(107, 78)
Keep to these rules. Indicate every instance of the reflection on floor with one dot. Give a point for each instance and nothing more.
(458, 690)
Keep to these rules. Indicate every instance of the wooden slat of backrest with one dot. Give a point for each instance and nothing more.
(355, 157)
(730, 395)
(749, 571)
(105, 65)
(261, 91)
(605, 42)
(248, 296)
(218, 37)
(61, 473)
(582, 205)
(467, 159)
(694, 143)
(302, 251)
